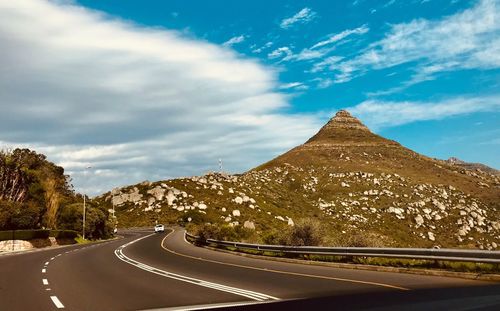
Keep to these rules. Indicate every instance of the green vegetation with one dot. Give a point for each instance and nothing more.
(37, 234)
(223, 233)
(36, 194)
(307, 232)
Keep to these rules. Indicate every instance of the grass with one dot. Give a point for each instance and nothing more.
(81, 240)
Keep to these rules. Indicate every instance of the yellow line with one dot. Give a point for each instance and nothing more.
(279, 271)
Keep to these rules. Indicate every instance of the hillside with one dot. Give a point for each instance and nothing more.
(364, 190)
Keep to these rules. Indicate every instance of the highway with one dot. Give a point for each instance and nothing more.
(144, 271)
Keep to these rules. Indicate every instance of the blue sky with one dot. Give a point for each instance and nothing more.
(160, 89)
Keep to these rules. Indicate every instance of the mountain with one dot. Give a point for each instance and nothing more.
(473, 166)
(363, 189)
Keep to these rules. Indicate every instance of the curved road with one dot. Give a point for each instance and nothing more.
(151, 271)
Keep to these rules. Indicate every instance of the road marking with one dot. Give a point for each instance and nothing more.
(233, 290)
(45, 282)
(44, 270)
(278, 271)
(57, 302)
(52, 258)
(47, 263)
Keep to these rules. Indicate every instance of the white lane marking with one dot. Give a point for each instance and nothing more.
(57, 302)
(47, 263)
(233, 290)
(44, 270)
(45, 282)
(47, 289)
(52, 258)
(218, 305)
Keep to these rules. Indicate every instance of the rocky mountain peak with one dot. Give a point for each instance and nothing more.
(343, 128)
(343, 119)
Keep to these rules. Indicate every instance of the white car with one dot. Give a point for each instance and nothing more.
(159, 228)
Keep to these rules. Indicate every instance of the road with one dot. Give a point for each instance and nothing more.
(145, 271)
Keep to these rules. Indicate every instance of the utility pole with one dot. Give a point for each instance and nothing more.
(84, 209)
(220, 165)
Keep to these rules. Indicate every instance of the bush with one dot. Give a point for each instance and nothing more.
(16, 215)
(63, 234)
(307, 232)
(97, 225)
(222, 232)
(24, 234)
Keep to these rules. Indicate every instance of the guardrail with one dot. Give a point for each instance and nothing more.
(479, 256)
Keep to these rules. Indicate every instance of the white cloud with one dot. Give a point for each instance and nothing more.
(279, 52)
(303, 16)
(466, 40)
(339, 36)
(324, 83)
(133, 102)
(262, 48)
(328, 62)
(379, 114)
(234, 40)
(294, 85)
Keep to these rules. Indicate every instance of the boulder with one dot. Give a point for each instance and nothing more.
(419, 220)
(249, 225)
(238, 200)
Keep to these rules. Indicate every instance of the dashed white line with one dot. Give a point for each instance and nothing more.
(47, 263)
(44, 270)
(45, 282)
(57, 302)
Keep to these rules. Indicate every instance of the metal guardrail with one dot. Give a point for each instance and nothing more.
(444, 254)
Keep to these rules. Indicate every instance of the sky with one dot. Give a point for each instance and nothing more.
(118, 92)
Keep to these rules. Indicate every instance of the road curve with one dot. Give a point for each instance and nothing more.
(151, 271)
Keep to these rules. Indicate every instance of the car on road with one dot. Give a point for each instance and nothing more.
(159, 228)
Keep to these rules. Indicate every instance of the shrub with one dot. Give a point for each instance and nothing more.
(97, 225)
(222, 232)
(24, 234)
(63, 234)
(306, 232)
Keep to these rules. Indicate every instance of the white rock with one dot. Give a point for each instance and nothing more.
(290, 222)
(419, 220)
(343, 184)
(157, 192)
(431, 236)
(249, 225)
(170, 197)
(202, 206)
(231, 190)
(238, 200)
(223, 209)
(236, 213)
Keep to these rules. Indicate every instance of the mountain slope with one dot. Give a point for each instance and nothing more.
(364, 189)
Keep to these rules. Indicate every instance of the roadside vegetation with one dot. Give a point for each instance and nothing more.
(35, 194)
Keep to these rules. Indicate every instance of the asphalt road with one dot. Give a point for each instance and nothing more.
(154, 271)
